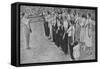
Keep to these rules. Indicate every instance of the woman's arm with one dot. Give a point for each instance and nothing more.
(30, 26)
(69, 29)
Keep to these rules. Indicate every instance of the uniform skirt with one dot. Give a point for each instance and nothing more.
(46, 29)
(64, 44)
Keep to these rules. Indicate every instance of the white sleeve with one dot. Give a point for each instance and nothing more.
(69, 29)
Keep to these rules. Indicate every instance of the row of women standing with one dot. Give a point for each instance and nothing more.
(67, 31)
(58, 30)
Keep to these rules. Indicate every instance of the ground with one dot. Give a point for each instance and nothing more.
(44, 50)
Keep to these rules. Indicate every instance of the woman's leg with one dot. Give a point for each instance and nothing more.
(27, 37)
(28, 40)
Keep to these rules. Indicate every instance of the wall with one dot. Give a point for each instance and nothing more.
(5, 36)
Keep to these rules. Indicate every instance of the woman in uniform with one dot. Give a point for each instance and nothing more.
(25, 22)
(71, 32)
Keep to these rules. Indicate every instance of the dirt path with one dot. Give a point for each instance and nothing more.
(42, 50)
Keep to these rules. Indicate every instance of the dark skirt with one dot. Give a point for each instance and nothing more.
(56, 39)
(71, 47)
(54, 34)
(64, 44)
(46, 29)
